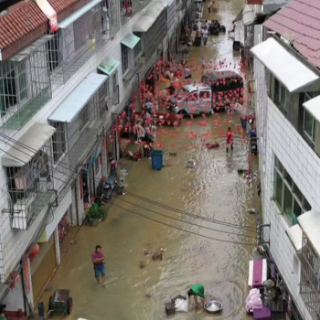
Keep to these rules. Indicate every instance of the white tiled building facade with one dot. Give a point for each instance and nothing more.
(280, 141)
(15, 242)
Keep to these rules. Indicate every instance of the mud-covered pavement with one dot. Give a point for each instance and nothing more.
(213, 249)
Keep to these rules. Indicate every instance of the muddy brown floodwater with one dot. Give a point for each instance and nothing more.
(193, 254)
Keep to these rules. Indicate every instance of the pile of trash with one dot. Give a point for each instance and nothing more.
(177, 304)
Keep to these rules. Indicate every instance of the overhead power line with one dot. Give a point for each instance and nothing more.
(227, 224)
(187, 222)
(184, 230)
(73, 169)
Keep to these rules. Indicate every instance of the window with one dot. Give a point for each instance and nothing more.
(308, 121)
(138, 47)
(281, 95)
(13, 85)
(114, 82)
(58, 141)
(309, 125)
(287, 196)
(204, 94)
(53, 52)
(124, 58)
(193, 97)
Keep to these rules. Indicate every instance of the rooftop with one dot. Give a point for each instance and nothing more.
(299, 21)
(60, 6)
(21, 25)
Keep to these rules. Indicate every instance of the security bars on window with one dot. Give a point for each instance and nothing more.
(72, 46)
(110, 18)
(24, 85)
(30, 188)
(73, 142)
(309, 281)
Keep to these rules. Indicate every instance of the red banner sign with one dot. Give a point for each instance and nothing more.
(50, 13)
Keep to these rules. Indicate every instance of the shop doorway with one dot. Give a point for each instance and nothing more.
(42, 267)
(74, 209)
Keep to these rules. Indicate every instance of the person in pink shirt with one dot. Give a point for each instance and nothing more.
(99, 266)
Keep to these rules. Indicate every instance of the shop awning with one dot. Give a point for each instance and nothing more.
(149, 17)
(295, 235)
(310, 225)
(78, 14)
(248, 15)
(170, 2)
(238, 17)
(313, 106)
(32, 48)
(109, 66)
(78, 98)
(28, 145)
(292, 73)
(63, 206)
(130, 40)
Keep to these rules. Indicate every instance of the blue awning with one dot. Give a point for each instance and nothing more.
(109, 66)
(130, 40)
(78, 98)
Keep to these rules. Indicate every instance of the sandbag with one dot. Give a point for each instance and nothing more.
(181, 305)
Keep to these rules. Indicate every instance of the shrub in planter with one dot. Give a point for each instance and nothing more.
(95, 214)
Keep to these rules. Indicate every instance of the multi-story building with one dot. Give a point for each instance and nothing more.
(60, 92)
(286, 69)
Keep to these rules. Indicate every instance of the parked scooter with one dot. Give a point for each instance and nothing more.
(106, 188)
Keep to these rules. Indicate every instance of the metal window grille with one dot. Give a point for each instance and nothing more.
(103, 99)
(24, 85)
(138, 47)
(111, 18)
(155, 36)
(309, 280)
(81, 134)
(71, 47)
(30, 188)
(114, 82)
(58, 140)
(171, 17)
(124, 58)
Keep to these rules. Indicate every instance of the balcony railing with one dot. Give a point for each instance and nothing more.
(30, 188)
(73, 142)
(24, 85)
(73, 44)
(309, 282)
(130, 7)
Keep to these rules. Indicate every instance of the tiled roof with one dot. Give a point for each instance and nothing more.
(66, 6)
(300, 22)
(61, 5)
(20, 22)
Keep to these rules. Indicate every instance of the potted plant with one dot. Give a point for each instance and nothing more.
(95, 214)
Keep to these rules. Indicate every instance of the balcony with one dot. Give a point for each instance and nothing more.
(24, 85)
(77, 40)
(28, 165)
(310, 262)
(78, 121)
(130, 7)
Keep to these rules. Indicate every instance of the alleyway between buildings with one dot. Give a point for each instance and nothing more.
(192, 254)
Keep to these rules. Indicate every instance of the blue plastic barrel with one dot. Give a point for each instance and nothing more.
(157, 159)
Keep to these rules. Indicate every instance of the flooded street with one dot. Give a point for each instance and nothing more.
(208, 240)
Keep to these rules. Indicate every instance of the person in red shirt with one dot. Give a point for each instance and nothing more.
(229, 138)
